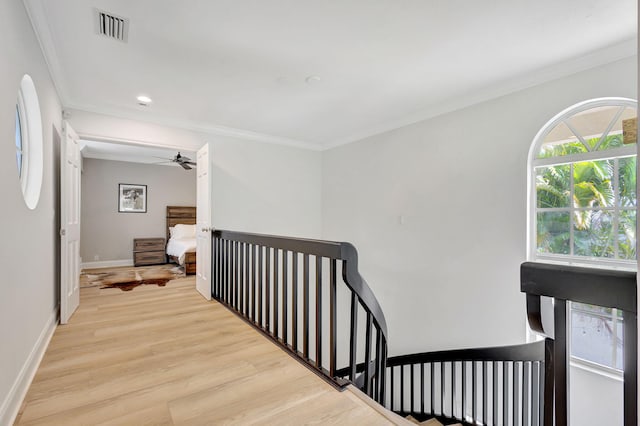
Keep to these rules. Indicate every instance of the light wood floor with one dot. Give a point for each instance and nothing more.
(165, 356)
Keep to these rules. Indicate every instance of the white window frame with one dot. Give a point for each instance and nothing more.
(32, 142)
(533, 163)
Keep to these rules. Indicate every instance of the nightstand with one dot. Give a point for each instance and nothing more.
(148, 251)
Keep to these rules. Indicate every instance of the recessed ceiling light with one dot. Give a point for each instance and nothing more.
(144, 100)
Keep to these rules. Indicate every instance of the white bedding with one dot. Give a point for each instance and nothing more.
(179, 246)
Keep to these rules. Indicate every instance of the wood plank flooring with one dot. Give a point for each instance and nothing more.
(165, 356)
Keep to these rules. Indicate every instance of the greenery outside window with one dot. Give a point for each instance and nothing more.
(583, 209)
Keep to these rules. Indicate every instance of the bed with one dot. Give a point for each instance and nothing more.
(181, 238)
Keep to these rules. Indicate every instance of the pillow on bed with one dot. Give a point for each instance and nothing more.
(183, 231)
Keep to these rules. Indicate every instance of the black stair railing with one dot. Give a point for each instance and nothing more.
(510, 385)
(524, 384)
(289, 289)
(595, 286)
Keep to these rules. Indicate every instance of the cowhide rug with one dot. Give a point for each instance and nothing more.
(126, 279)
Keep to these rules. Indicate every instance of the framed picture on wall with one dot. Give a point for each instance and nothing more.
(132, 198)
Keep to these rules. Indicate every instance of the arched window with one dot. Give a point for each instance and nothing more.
(582, 182)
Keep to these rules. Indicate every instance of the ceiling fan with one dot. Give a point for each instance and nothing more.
(185, 162)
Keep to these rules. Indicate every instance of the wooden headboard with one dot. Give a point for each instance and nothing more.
(180, 214)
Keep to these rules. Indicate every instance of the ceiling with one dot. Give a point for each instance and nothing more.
(319, 73)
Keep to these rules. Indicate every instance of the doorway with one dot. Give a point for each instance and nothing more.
(111, 168)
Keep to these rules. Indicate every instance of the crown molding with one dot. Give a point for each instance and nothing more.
(40, 24)
(616, 52)
(210, 129)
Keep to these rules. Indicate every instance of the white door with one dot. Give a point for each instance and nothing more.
(69, 223)
(203, 223)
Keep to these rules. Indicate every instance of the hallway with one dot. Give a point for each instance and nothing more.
(165, 356)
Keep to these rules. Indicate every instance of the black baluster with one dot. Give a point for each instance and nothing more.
(367, 356)
(485, 391)
(227, 256)
(442, 385)
(412, 385)
(240, 267)
(246, 281)
(253, 282)
(421, 388)
(230, 283)
(219, 271)
(464, 389)
(234, 257)
(433, 388)
(474, 409)
(377, 373)
(393, 389)
(319, 311)
(285, 297)
(630, 367)
(536, 393)
(505, 392)
(214, 263)
(332, 318)
(402, 388)
(453, 389)
(516, 392)
(305, 306)
(260, 271)
(276, 265)
(353, 338)
(526, 371)
(494, 387)
(561, 363)
(383, 369)
(267, 290)
(294, 301)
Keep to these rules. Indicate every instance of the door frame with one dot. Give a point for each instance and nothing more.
(121, 141)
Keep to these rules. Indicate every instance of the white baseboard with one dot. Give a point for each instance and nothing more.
(11, 405)
(107, 264)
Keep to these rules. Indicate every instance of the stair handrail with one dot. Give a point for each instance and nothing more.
(607, 288)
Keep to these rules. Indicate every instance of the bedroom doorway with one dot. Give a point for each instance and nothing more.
(125, 155)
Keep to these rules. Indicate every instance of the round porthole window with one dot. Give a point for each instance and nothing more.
(29, 142)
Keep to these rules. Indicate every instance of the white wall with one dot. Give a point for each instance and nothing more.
(28, 295)
(269, 189)
(107, 233)
(438, 212)
(256, 187)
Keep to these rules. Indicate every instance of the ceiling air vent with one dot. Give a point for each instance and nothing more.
(112, 26)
